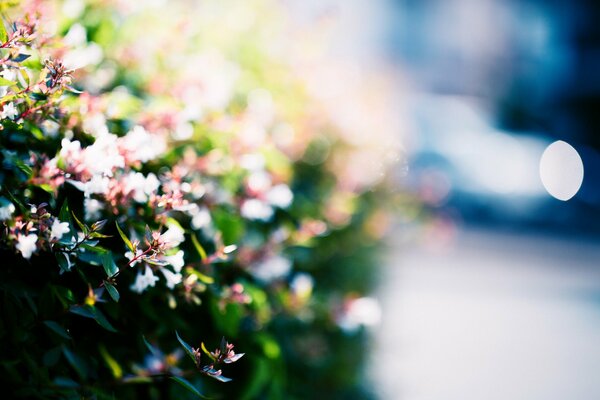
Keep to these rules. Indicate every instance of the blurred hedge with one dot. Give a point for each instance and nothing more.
(247, 209)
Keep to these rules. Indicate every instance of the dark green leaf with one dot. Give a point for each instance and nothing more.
(109, 264)
(56, 328)
(24, 167)
(63, 262)
(65, 382)
(150, 347)
(84, 311)
(188, 349)
(186, 384)
(38, 96)
(102, 321)
(112, 291)
(76, 362)
(21, 57)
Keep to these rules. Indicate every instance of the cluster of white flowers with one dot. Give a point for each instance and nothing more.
(142, 146)
(260, 186)
(141, 186)
(103, 156)
(9, 111)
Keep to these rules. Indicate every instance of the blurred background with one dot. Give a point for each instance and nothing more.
(492, 287)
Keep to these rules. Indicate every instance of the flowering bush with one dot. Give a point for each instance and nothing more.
(164, 182)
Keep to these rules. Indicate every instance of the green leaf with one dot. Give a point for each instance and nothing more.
(102, 321)
(98, 235)
(82, 226)
(109, 264)
(199, 247)
(56, 328)
(84, 311)
(76, 362)
(188, 349)
(112, 364)
(21, 57)
(65, 382)
(125, 239)
(24, 167)
(3, 33)
(213, 373)
(6, 82)
(188, 385)
(204, 278)
(38, 96)
(98, 225)
(112, 291)
(94, 313)
(150, 347)
(63, 262)
(206, 351)
(64, 214)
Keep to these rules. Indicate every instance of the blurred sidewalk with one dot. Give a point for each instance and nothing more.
(493, 316)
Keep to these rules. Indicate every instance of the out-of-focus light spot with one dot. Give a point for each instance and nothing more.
(561, 170)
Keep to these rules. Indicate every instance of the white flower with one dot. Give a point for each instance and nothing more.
(9, 111)
(200, 217)
(364, 311)
(83, 56)
(252, 162)
(6, 210)
(9, 74)
(272, 268)
(70, 150)
(98, 184)
(141, 186)
(143, 281)
(95, 124)
(256, 209)
(171, 277)
(58, 229)
(76, 36)
(259, 181)
(280, 196)
(26, 244)
(92, 208)
(183, 130)
(102, 157)
(73, 8)
(50, 128)
(143, 146)
(175, 260)
(302, 285)
(173, 236)
(130, 256)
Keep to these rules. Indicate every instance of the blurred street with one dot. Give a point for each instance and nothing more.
(490, 316)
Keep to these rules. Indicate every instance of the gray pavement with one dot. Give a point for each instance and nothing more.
(490, 316)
